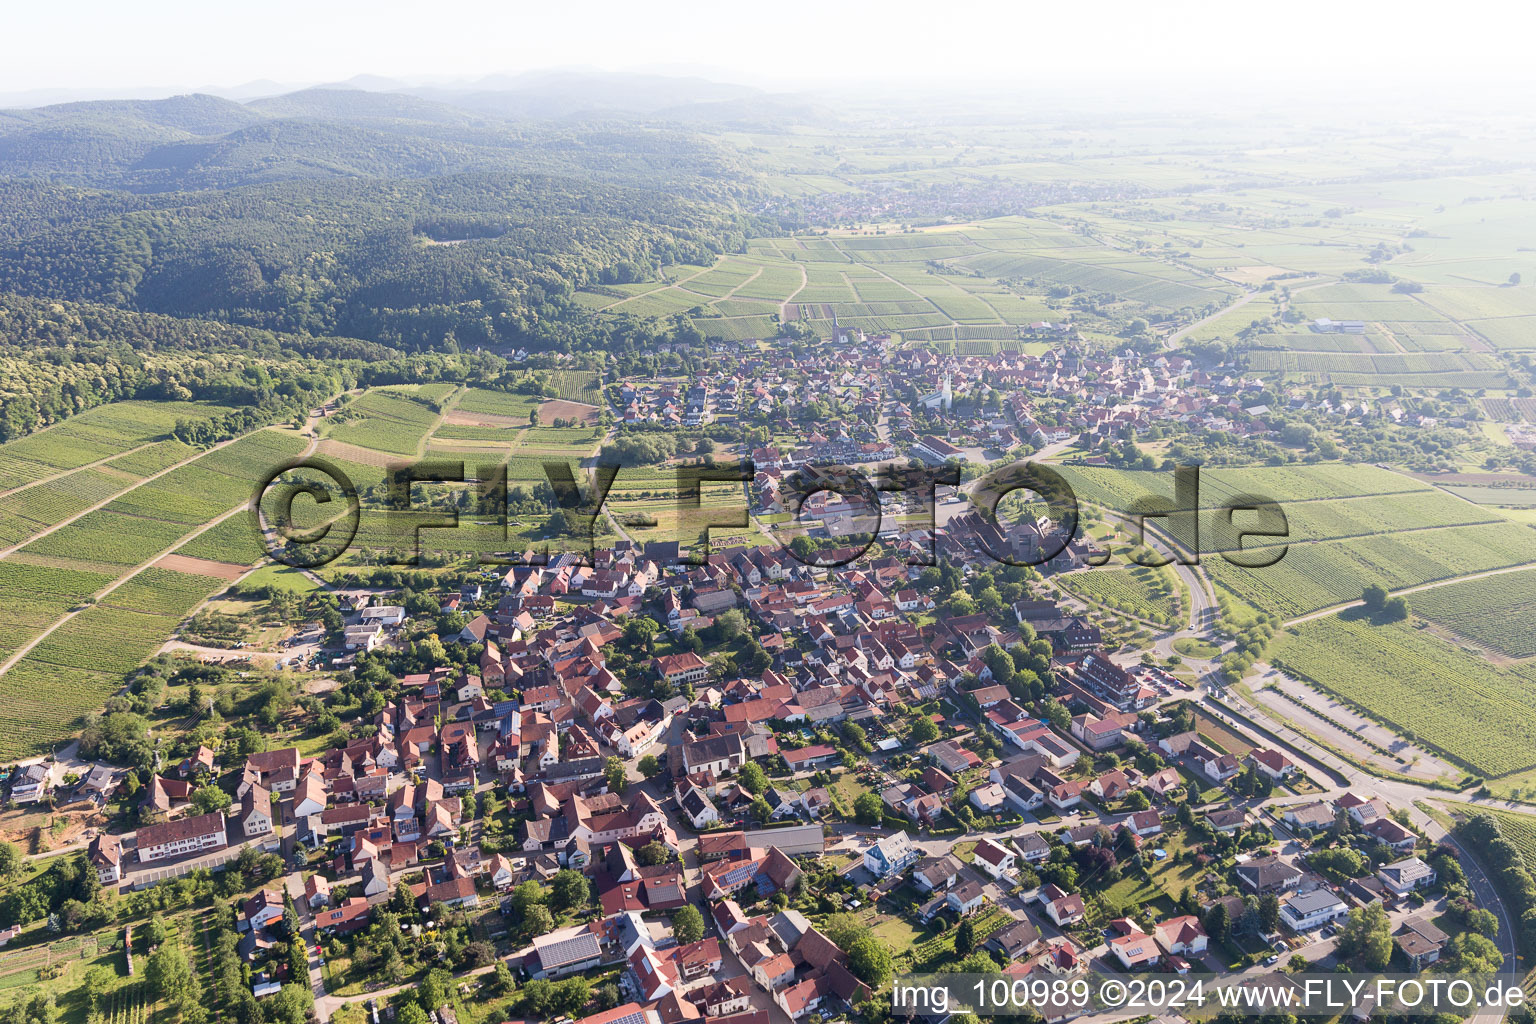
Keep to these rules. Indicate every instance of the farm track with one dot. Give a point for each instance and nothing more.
(448, 404)
(805, 280)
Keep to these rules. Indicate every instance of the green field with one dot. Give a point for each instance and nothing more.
(94, 435)
(386, 422)
(1455, 702)
(1314, 576)
(152, 517)
(76, 667)
(1496, 612)
(1148, 593)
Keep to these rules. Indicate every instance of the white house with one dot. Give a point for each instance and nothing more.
(891, 855)
(1065, 910)
(701, 812)
(1308, 910)
(994, 858)
(384, 615)
(1182, 935)
(1404, 876)
(30, 784)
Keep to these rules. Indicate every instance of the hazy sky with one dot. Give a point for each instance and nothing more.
(180, 44)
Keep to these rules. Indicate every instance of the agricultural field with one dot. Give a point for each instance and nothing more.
(1415, 370)
(151, 517)
(27, 512)
(994, 276)
(60, 572)
(1116, 489)
(558, 440)
(496, 403)
(387, 420)
(1142, 591)
(81, 663)
(1421, 686)
(34, 596)
(95, 435)
(1519, 829)
(233, 541)
(1319, 575)
(1497, 612)
(1510, 497)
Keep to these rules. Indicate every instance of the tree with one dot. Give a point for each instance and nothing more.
(730, 625)
(98, 982)
(10, 858)
(293, 1003)
(501, 979)
(649, 766)
(641, 632)
(169, 974)
(477, 954)
(1367, 934)
(965, 936)
(537, 997)
(752, 777)
(688, 924)
(1216, 921)
(1470, 953)
(844, 929)
(616, 774)
(527, 896)
(760, 809)
(1269, 913)
(923, 730)
(569, 889)
(978, 962)
(411, 1013)
(538, 921)
(434, 989)
(868, 809)
(870, 961)
(155, 932)
(653, 853)
(570, 995)
(403, 901)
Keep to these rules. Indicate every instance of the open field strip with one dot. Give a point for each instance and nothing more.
(1424, 688)
(69, 520)
(56, 615)
(6, 493)
(100, 434)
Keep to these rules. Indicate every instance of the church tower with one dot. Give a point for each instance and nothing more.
(949, 392)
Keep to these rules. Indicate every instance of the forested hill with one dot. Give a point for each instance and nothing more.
(197, 142)
(396, 219)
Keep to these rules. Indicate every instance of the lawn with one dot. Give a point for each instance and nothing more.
(1194, 647)
(282, 577)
